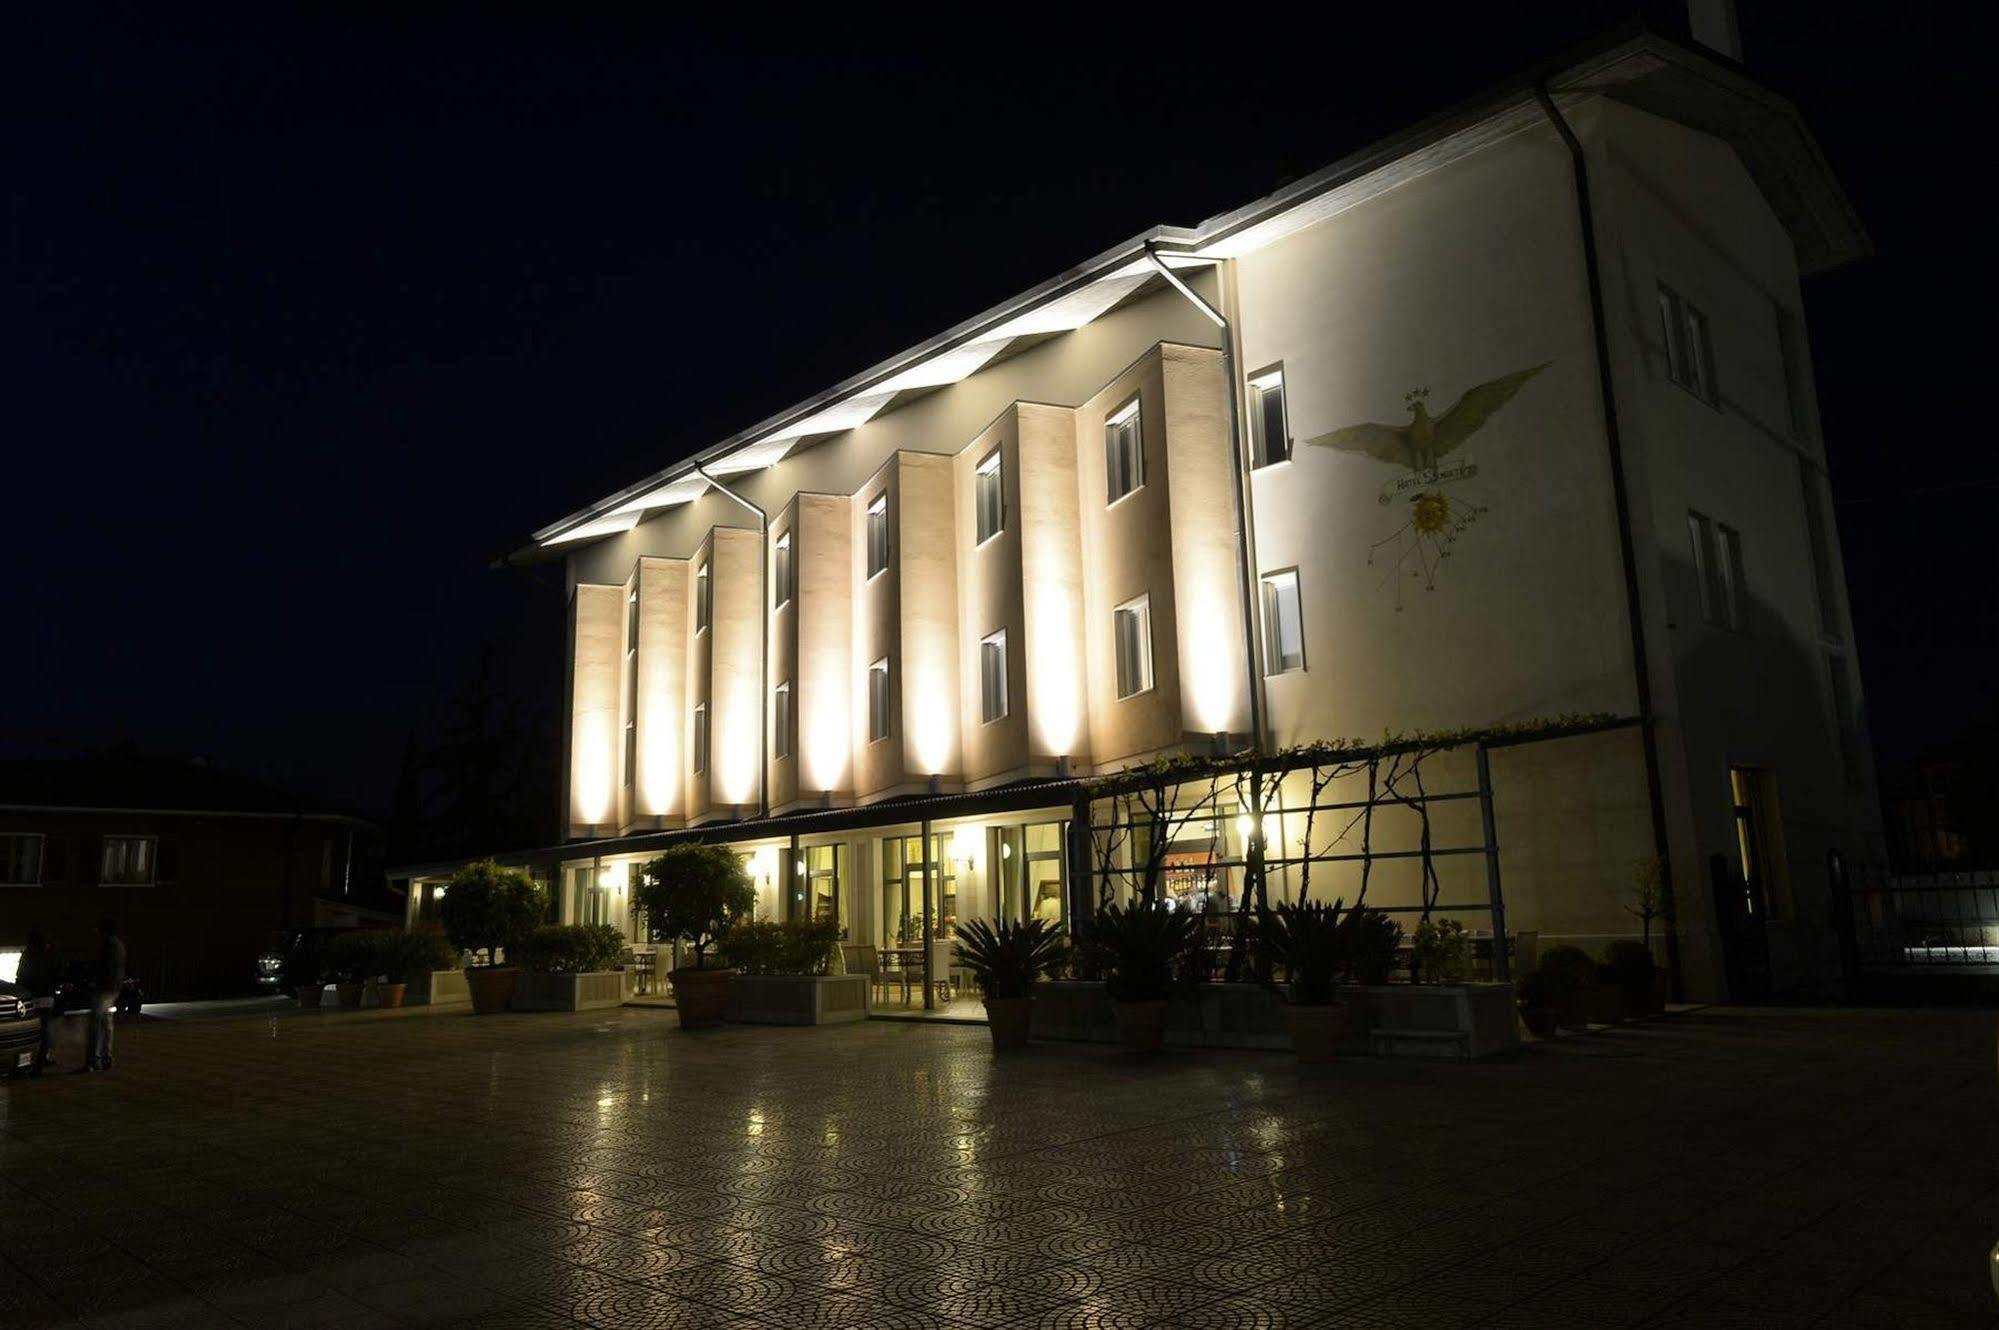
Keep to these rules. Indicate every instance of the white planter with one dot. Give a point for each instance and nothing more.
(446, 988)
(798, 999)
(536, 991)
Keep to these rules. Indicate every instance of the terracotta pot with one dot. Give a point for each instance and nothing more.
(492, 987)
(701, 997)
(311, 995)
(1142, 1025)
(1317, 1032)
(1540, 1021)
(389, 995)
(349, 994)
(1008, 1019)
(1572, 1012)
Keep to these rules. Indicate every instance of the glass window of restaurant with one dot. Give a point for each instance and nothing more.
(901, 919)
(819, 886)
(1032, 875)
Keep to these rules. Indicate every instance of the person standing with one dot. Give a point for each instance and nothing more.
(37, 974)
(105, 983)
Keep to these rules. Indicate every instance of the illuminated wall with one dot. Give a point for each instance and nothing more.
(727, 657)
(1207, 596)
(821, 633)
(596, 624)
(925, 549)
(1050, 586)
(662, 691)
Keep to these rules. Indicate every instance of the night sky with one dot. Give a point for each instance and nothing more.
(304, 320)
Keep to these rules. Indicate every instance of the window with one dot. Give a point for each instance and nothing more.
(592, 898)
(780, 576)
(632, 622)
(1689, 348)
(989, 497)
(1124, 452)
(1724, 590)
(700, 738)
(128, 861)
(1759, 843)
(1132, 626)
(1269, 434)
(992, 678)
(878, 535)
(1283, 624)
(631, 752)
(780, 721)
(878, 700)
(702, 601)
(20, 860)
(631, 687)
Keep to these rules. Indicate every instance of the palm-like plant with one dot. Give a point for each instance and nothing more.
(1143, 942)
(1005, 959)
(1312, 942)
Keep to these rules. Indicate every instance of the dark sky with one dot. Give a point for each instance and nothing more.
(302, 320)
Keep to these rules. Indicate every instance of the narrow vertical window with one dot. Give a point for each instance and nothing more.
(1734, 583)
(20, 859)
(992, 678)
(1700, 357)
(1270, 438)
(702, 602)
(989, 497)
(1131, 625)
(1673, 329)
(1818, 534)
(1124, 452)
(700, 737)
(631, 687)
(1283, 623)
(878, 700)
(780, 576)
(878, 535)
(780, 721)
(1700, 535)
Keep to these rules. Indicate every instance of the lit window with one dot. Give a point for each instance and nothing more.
(701, 599)
(1132, 624)
(1283, 624)
(1689, 347)
(700, 737)
(20, 860)
(878, 535)
(631, 752)
(1269, 435)
(780, 717)
(780, 577)
(1124, 452)
(989, 497)
(128, 861)
(631, 687)
(992, 678)
(878, 700)
(632, 621)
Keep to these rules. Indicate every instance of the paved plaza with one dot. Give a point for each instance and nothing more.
(1765, 1168)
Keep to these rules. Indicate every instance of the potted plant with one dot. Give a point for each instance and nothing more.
(1005, 960)
(1441, 952)
(486, 910)
(348, 959)
(403, 957)
(305, 971)
(1372, 944)
(1627, 970)
(1311, 942)
(1142, 943)
(1540, 1003)
(694, 894)
(1574, 974)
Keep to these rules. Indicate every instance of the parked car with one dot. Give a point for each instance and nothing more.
(20, 1031)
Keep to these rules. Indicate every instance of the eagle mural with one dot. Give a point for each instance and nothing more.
(1432, 519)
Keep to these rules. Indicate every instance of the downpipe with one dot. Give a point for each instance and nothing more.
(763, 637)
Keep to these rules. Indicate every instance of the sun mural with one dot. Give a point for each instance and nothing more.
(1432, 520)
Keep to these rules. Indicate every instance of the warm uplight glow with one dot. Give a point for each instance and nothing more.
(1273, 828)
(1054, 674)
(931, 726)
(966, 844)
(1209, 674)
(763, 864)
(827, 739)
(736, 747)
(659, 764)
(593, 771)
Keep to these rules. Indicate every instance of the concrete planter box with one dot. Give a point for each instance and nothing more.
(446, 988)
(1394, 1020)
(537, 991)
(798, 999)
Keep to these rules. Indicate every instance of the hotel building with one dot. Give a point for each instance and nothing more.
(1506, 418)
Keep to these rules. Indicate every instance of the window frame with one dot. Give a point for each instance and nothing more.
(877, 509)
(781, 726)
(704, 597)
(1260, 384)
(152, 860)
(1141, 605)
(1273, 657)
(993, 647)
(991, 467)
(41, 850)
(880, 726)
(1132, 413)
(1734, 580)
(698, 739)
(783, 572)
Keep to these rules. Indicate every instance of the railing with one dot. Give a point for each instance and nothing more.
(1929, 919)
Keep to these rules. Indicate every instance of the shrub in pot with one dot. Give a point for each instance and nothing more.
(1441, 952)
(696, 894)
(1372, 944)
(350, 958)
(1005, 960)
(305, 971)
(571, 949)
(1627, 969)
(1574, 973)
(488, 911)
(1312, 942)
(1540, 995)
(1143, 943)
(794, 946)
(405, 958)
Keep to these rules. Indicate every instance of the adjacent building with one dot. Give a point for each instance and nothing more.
(1507, 418)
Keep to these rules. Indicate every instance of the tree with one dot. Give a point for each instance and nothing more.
(692, 894)
(487, 908)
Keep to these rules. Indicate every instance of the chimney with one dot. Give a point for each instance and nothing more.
(1714, 26)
